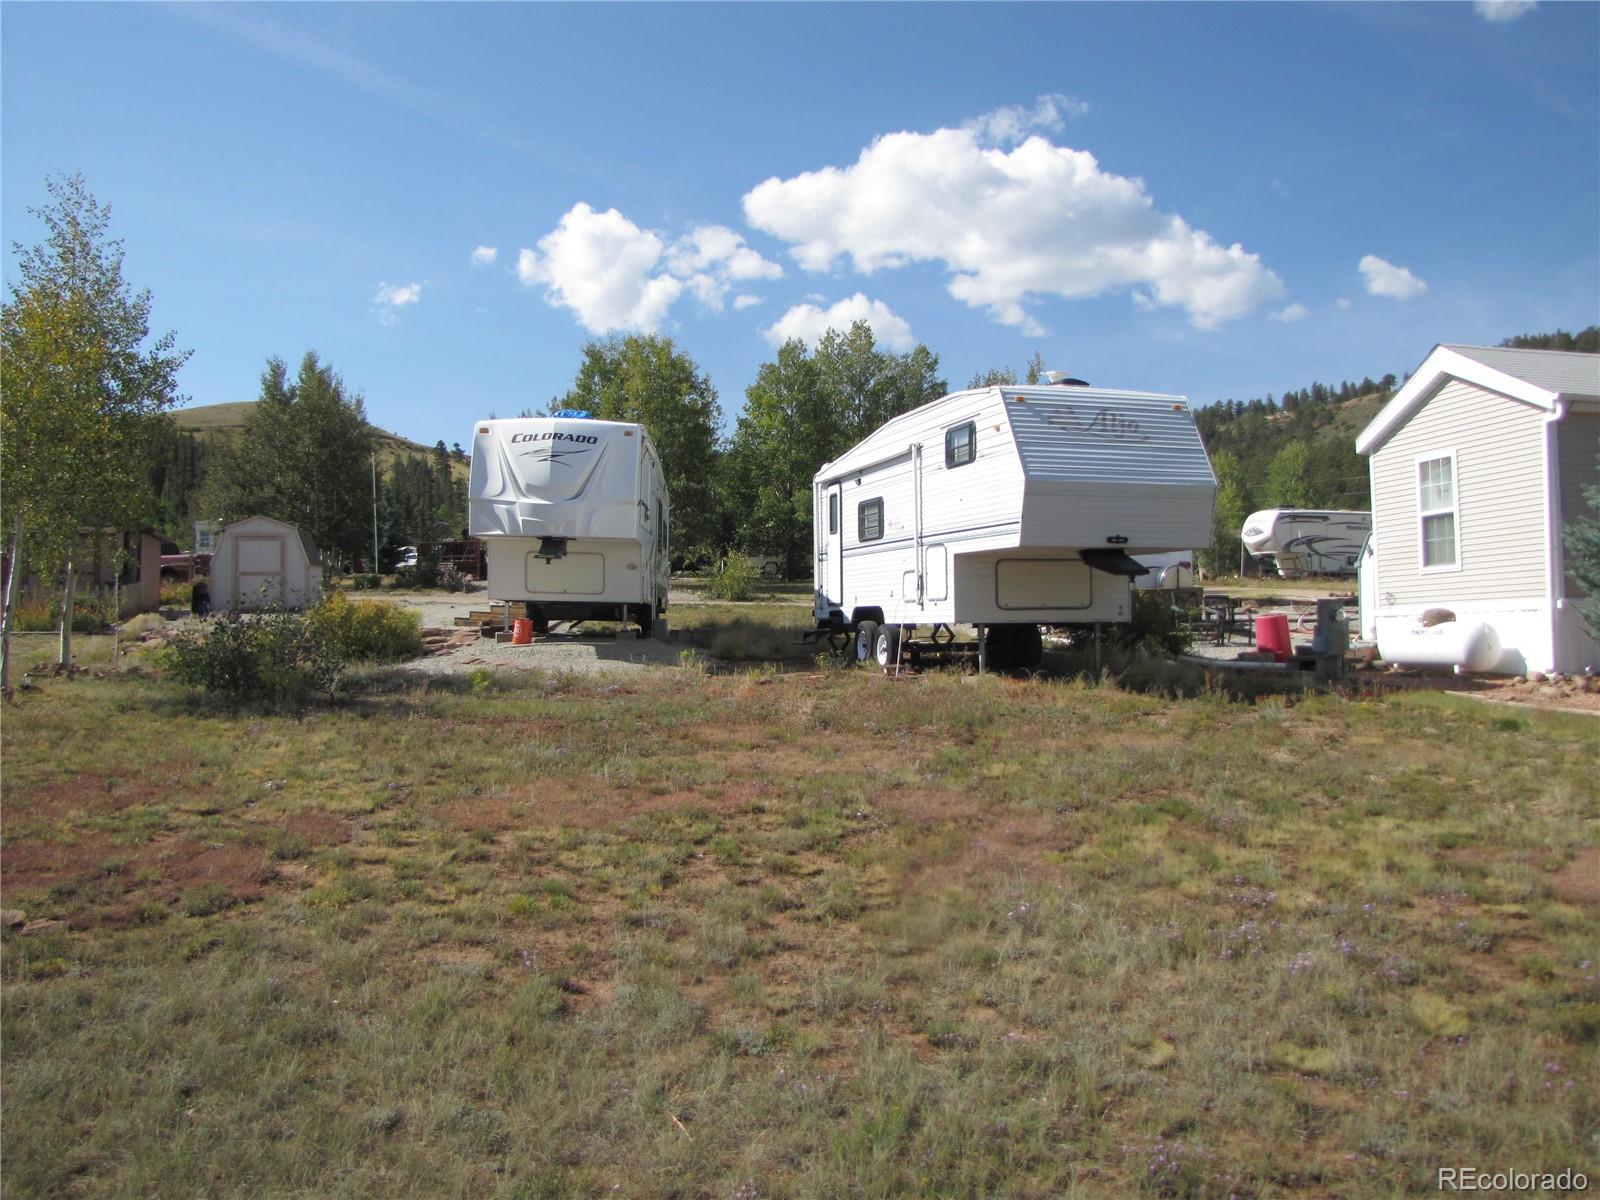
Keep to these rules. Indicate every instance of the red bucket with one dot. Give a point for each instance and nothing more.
(521, 631)
(1272, 633)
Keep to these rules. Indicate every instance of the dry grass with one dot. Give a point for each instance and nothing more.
(802, 935)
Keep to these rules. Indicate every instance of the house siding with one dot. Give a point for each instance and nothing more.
(1577, 445)
(1500, 510)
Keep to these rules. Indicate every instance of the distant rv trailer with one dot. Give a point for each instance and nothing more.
(573, 517)
(1169, 572)
(1007, 508)
(1304, 541)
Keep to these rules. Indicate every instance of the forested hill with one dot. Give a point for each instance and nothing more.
(1299, 448)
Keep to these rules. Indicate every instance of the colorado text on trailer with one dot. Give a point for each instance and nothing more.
(1007, 508)
(573, 514)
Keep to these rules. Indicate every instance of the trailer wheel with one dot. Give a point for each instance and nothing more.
(645, 616)
(866, 641)
(1015, 647)
(886, 645)
(541, 623)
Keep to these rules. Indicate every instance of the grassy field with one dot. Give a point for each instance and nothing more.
(802, 935)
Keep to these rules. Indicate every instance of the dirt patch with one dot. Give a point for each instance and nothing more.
(1570, 695)
(90, 792)
(238, 868)
(317, 829)
(1579, 881)
(931, 805)
(28, 865)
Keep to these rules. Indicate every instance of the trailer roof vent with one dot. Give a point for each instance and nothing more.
(1062, 379)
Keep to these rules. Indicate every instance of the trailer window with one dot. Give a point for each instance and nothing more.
(869, 520)
(961, 444)
(833, 512)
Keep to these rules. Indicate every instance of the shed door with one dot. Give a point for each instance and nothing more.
(258, 570)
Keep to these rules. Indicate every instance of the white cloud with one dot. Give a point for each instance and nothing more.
(484, 255)
(392, 297)
(1007, 126)
(615, 275)
(398, 295)
(808, 322)
(603, 267)
(745, 300)
(1386, 279)
(1342, 303)
(1499, 12)
(1295, 312)
(711, 258)
(1009, 225)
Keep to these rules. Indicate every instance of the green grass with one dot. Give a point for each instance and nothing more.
(793, 936)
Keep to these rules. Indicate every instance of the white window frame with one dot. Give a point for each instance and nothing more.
(1454, 509)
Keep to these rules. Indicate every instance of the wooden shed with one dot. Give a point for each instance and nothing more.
(1478, 463)
(260, 561)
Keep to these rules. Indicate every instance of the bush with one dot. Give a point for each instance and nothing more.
(366, 581)
(41, 614)
(1155, 626)
(417, 575)
(176, 595)
(276, 656)
(367, 630)
(734, 579)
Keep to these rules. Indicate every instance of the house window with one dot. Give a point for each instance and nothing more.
(1436, 510)
(961, 444)
(869, 520)
(833, 512)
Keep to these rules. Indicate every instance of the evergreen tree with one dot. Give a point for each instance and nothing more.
(304, 456)
(1583, 555)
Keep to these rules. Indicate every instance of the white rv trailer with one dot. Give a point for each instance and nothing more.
(573, 516)
(1303, 541)
(1007, 508)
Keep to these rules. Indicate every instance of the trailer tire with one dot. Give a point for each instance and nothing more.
(866, 641)
(886, 646)
(541, 623)
(1015, 647)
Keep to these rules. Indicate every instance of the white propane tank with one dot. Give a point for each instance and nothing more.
(1466, 646)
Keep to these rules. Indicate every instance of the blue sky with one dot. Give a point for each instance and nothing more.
(1216, 200)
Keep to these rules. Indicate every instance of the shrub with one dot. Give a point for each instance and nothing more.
(734, 579)
(367, 630)
(1155, 625)
(41, 614)
(176, 595)
(275, 656)
(366, 581)
(417, 575)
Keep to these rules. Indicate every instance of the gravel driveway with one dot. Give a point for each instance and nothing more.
(625, 652)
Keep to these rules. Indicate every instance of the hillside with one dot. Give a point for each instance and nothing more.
(208, 420)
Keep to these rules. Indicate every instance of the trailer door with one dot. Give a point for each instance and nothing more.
(830, 547)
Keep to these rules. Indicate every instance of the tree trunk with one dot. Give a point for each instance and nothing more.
(13, 587)
(65, 658)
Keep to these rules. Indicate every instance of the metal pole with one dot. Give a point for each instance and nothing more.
(374, 512)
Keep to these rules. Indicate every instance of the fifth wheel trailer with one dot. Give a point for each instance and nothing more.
(1007, 508)
(1307, 541)
(573, 517)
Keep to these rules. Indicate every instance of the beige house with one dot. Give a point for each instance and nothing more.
(1477, 463)
(127, 564)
